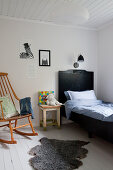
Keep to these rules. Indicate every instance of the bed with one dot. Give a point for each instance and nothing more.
(81, 80)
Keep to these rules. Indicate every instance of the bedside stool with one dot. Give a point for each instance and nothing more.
(42, 115)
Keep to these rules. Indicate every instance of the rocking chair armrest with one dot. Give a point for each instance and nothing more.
(1, 101)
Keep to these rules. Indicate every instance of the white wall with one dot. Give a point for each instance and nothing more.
(64, 43)
(105, 64)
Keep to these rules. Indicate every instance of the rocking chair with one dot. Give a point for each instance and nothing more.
(6, 88)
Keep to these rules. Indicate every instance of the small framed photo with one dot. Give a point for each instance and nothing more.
(44, 57)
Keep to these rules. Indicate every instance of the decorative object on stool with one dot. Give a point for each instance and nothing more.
(43, 96)
(52, 101)
(52, 154)
(80, 59)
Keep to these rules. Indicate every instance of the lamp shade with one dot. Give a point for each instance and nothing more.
(80, 58)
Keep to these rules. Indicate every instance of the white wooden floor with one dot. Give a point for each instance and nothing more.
(16, 157)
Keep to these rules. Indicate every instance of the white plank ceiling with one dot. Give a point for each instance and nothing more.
(101, 11)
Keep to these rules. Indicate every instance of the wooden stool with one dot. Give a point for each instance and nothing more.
(42, 115)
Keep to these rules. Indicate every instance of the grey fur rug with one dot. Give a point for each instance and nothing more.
(55, 154)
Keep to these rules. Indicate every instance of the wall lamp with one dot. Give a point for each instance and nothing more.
(80, 59)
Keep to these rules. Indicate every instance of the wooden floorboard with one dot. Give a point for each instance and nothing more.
(8, 159)
(2, 164)
(15, 158)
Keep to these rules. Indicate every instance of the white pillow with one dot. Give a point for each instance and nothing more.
(75, 95)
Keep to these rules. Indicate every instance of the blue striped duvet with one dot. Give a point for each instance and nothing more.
(92, 108)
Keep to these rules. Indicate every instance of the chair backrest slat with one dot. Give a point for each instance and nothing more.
(4, 84)
(2, 89)
(0, 93)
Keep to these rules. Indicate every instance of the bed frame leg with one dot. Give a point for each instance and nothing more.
(60, 119)
(90, 134)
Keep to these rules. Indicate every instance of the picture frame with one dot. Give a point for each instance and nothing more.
(44, 58)
(26, 50)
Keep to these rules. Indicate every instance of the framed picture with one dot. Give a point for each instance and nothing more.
(26, 50)
(44, 57)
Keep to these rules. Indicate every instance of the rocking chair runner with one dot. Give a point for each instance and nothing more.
(6, 88)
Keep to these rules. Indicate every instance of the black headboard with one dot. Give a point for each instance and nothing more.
(74, 80)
